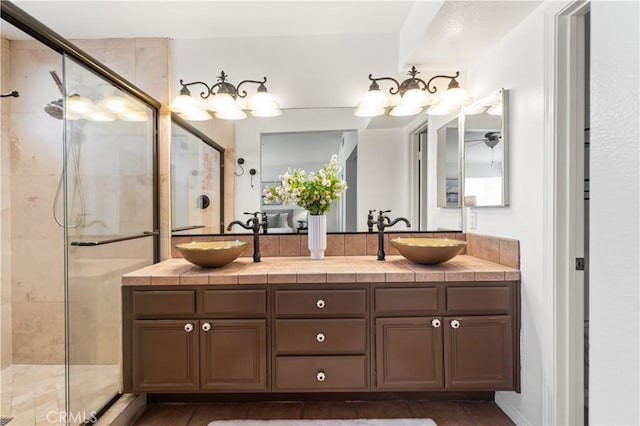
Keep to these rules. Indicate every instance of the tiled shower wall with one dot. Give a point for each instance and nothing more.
(33, 157)
(5, 224)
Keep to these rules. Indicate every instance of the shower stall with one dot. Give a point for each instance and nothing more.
(78, 203)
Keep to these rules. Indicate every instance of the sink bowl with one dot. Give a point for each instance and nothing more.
(428, 251)
(211, 254)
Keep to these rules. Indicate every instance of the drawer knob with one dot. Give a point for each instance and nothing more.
(188, 327)
(455, 324)
(320, 303)
(321, 376)
(435, 323)
(320, 337)
(206, 326)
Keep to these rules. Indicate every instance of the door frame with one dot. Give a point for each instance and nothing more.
(563, 354)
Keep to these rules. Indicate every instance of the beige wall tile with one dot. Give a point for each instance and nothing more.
(289, 245)
(510, 253)
(355, 245)
(269, 245)
(335, 245)
(38, 325)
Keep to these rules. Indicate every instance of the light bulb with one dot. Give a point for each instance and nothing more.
(231, 113)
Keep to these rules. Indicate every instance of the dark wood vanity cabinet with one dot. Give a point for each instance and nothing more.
(322, 337)
(446, 336)
(195, 340)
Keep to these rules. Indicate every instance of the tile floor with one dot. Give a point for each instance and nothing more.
(454, 413)
(35, 394)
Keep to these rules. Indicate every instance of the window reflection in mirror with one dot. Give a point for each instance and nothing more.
(310, 151)
(196, 181)
(485, 152)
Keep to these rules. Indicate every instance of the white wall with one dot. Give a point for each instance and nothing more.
(520, 55)
(614, 382)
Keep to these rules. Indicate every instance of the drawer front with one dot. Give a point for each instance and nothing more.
(320, 302)
(234, 302)
(408, 299)
(479, 299)
(321, 336)
(321, 373)
(163, 303)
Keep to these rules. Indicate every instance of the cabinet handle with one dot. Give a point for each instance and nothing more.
(188, 327)
(320, 337)
(206, 326)
(455, 324)
(435, 323)
(321, 376)
(320, 303)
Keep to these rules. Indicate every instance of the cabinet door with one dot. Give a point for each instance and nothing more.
(233, 355)
(165, 355)
(478, 353)
(409, 353)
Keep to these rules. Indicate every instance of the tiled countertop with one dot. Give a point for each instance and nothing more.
(333, 269)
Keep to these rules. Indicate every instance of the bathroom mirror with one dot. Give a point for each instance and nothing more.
(448, 164)
(310, 151)
(486, 152)
(375, 157)
(197, 201)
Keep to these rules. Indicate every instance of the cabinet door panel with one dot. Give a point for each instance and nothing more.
(165, 356)
(479, 354)
(408, 354)
(234, 355)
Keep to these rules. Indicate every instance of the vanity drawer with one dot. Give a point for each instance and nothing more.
(163, 303)
(321, 336)
(407, 299)
(320, 302)
(483, 299)
(320, 373)
(234, 302)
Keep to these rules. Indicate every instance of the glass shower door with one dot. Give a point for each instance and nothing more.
(110, 224)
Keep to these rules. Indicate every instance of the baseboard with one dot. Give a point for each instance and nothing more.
(513, 413)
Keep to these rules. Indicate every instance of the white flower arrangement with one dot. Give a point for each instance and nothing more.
(314, 192)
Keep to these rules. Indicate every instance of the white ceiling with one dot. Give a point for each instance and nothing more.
(459, 30)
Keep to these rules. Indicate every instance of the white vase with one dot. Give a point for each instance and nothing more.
(317, 235)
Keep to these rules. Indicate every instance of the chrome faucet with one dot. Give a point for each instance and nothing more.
(254, 224)
(385, 222)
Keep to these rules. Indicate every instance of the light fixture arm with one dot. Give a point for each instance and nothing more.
(185, 90)
(243, 94)
(435, 89)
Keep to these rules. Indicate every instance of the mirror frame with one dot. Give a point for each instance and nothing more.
(505, 153)
(188, 127)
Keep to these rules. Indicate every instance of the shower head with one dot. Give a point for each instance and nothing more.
(54, 109)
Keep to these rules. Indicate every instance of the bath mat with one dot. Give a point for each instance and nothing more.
(358, 422)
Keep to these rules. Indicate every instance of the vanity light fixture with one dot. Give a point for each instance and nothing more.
(414, 96)
(223, 99)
